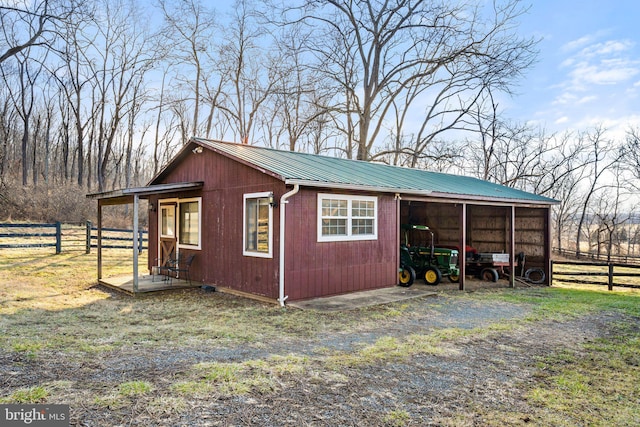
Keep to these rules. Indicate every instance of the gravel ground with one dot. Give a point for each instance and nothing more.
(473, 374)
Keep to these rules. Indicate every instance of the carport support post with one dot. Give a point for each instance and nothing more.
(462, 253)
(136, 202)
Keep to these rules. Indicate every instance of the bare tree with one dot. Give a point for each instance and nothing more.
(76, 78)
(26, 24)
(417, 51)
(603, 156)
(631, 154)
(23, 95)
(610, 214)
(251, 73)
(7, 120)
(124, 57)
(300, 97)
(190, 29)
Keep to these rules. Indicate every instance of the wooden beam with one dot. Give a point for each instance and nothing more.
(99, 243)
(136, 203)
(547, 247)
(462, 253)
(398, 235)
(512, 248)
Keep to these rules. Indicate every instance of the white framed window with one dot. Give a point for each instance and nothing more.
(167, 221)
(190, 223)
(257, 229)
(345, 217)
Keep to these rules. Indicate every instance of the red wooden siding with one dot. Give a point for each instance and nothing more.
(316, 269)
(220, 261)
(312, 269)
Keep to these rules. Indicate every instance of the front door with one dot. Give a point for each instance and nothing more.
(167, 232)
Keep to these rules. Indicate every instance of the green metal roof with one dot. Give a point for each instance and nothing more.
(331, 172)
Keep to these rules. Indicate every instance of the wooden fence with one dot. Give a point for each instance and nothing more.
(27, 238)
(620, 259)
(68, 237)
(587, 273)
(117, 235)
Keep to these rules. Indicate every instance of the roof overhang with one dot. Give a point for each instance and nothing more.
(126, 195)
(423, 195)
(354, 187)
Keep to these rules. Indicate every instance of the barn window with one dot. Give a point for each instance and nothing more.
(189, 224)
(258, 225)
(342, 217)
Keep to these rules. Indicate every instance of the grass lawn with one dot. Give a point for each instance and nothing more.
(53, 318)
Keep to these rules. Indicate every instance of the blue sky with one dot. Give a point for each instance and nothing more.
(588, 71)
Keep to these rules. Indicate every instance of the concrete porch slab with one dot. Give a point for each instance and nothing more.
(361, 299)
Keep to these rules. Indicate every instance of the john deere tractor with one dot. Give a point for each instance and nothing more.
(424, 260)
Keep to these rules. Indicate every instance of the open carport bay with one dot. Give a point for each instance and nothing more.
(519, 232)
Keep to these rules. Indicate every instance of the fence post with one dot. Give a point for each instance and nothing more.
(87, 249)
(58, 237)
(551, 273)
(139, 241)
(610, 276)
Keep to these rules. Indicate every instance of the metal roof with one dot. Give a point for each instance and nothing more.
(125, 195)
(332, 172)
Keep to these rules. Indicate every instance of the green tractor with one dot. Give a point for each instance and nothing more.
(425, 260)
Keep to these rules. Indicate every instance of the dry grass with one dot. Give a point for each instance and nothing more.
(50, 301)
(54, 317)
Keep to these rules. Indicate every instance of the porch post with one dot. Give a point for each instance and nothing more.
(512, 248)
(99, 243)
(548, 265)
(136, 202)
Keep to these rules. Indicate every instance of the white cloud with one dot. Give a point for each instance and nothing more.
(586, 99)
(564, 99)
(607, 48)
(596, 63)
(563, 119)
(578, 43)
(616, 127)
(606, 72)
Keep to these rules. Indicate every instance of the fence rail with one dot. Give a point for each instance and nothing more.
(117, 235)
(593, 270)
(621, 259)
(17, 234)
(70, 237)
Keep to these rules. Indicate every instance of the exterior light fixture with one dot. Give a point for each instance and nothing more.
(197, 150)
(272, 200)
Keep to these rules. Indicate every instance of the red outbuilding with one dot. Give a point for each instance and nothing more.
(285, 226)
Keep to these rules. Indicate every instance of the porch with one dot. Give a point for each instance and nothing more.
(136, 283)
(145, 284)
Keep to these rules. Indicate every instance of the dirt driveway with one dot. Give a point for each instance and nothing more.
(316, 381)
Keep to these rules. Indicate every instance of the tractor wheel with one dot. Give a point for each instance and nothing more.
(432, 276)
(535, 276)
(454, 278)
(406, 276)
(490, 275)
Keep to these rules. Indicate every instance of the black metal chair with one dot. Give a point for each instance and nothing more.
(181, 266)
(163, 268)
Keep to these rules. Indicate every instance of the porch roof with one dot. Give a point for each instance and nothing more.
(126, 195)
